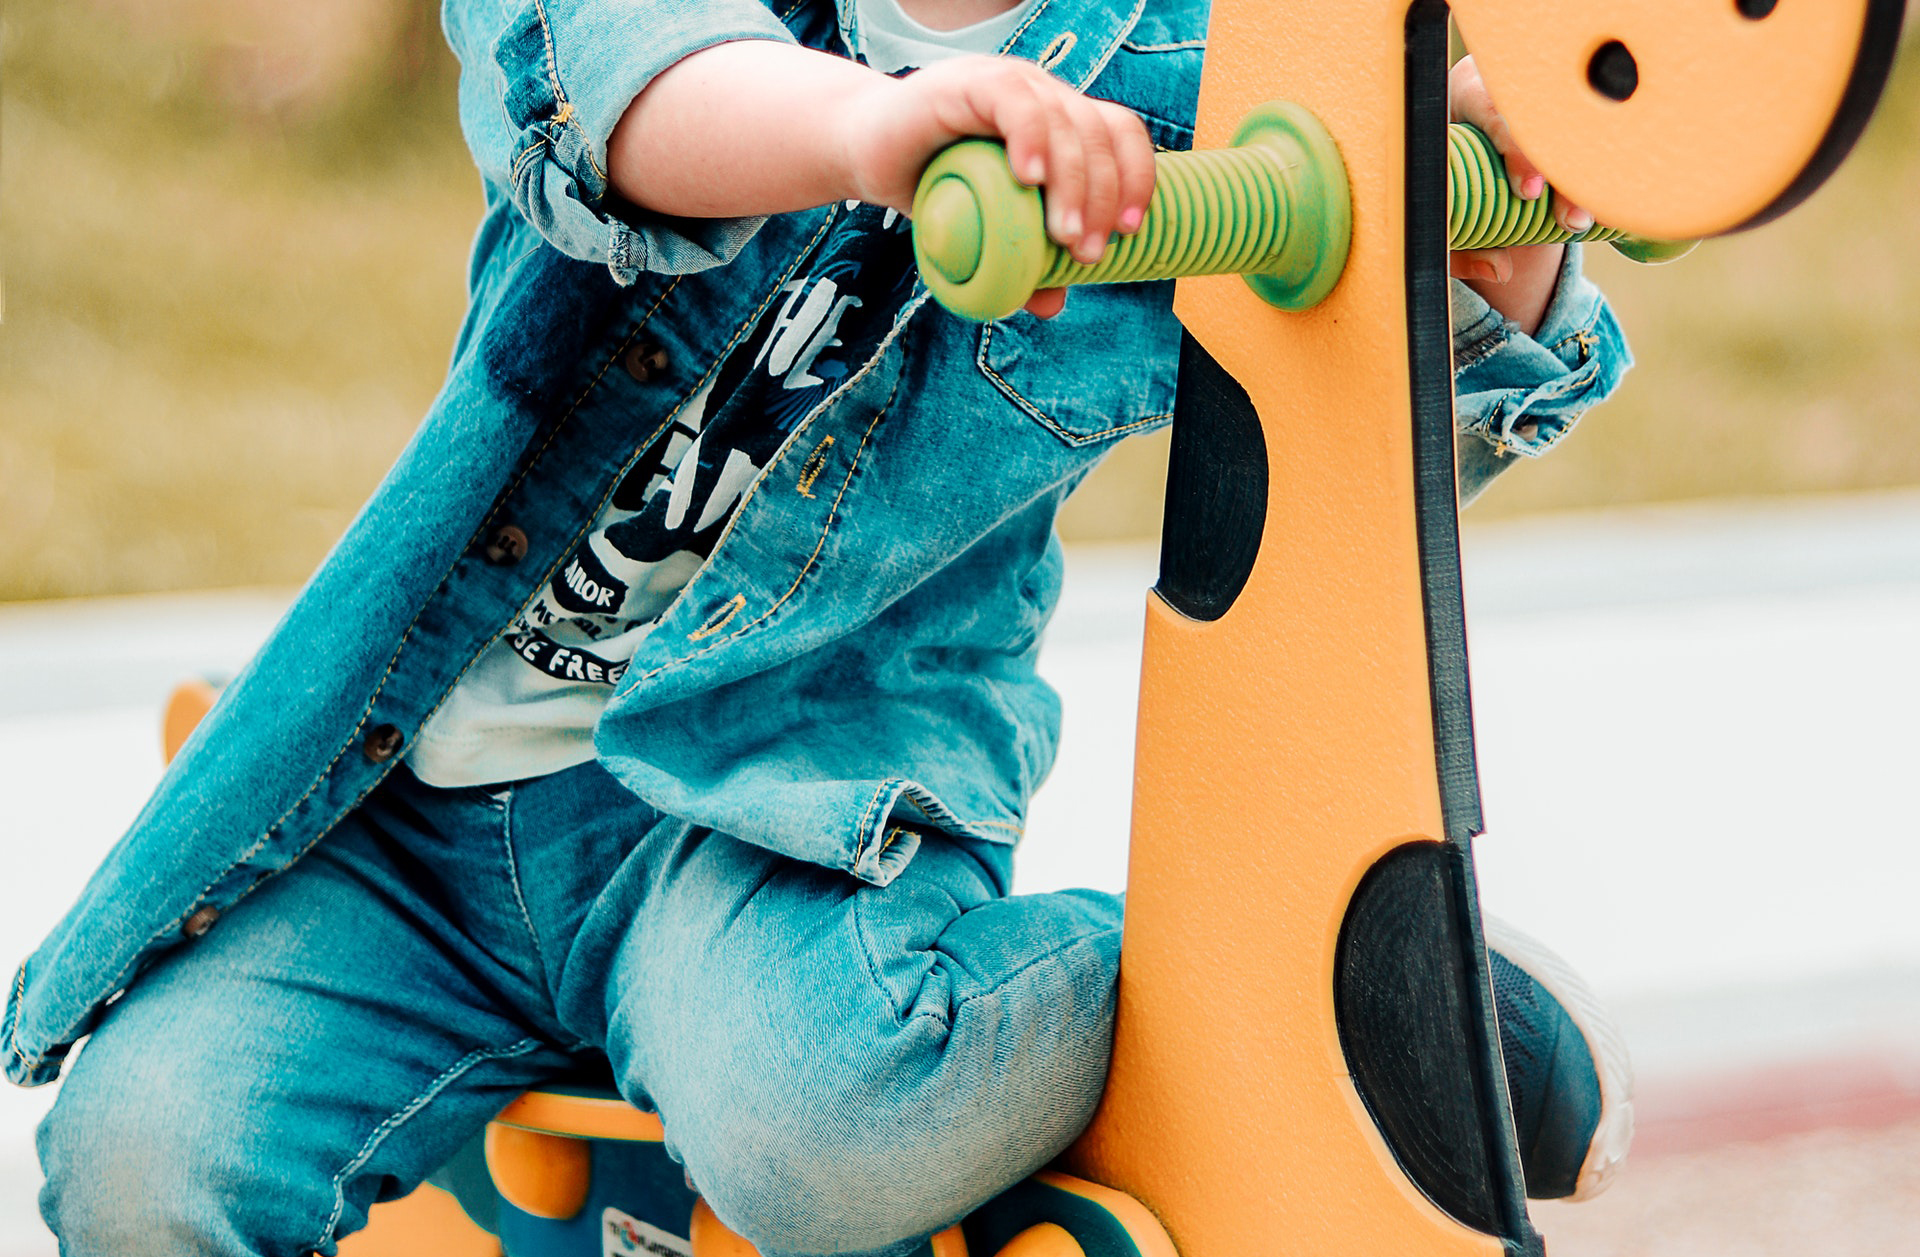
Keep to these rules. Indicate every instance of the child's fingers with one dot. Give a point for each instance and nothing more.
(1066, 190)
(1101, 208)
(1469, 101)
(1528, 183)
(1492, 266)
(1093, 158)
(1572, 217)
(1046, 302)
(1133, 154)
(1011, 104)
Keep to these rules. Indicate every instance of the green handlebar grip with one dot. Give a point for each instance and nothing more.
(1483, 211)
(1273, 207)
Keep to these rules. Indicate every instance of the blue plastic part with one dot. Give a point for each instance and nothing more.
(638, 1203)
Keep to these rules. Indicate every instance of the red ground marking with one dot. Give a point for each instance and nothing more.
(1860, 1092)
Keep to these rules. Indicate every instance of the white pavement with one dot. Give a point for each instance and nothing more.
(1696, 733)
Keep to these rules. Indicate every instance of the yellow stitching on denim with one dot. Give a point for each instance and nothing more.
(810, 470)
(1070, 437)
(718, 620)
(553, 61)
(866, 819)
(1099, 63)
(832, 514)
(565, 115)
(1584, 338)
(1057, 49)
(1021, 29)
(527, 154)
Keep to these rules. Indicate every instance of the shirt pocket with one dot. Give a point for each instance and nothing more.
(1103, 368)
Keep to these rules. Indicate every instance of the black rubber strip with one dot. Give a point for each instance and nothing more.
(1436, 504)
(1430, 369)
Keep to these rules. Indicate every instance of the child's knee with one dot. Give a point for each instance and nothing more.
(131, 1175)
(821, 1187)
(144, 1161)
(846, 1162)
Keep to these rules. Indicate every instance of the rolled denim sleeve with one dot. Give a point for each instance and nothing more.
(542, 84)
(1516, 396)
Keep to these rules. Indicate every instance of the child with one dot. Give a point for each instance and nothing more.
(674, 697)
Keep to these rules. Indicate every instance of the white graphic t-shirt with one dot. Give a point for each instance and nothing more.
(528, 705)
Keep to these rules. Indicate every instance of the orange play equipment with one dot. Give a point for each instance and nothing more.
(1305, 786)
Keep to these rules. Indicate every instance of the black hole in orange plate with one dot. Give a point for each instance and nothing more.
(1755, 9)
(1613, 71)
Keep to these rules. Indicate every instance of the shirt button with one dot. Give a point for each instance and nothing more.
(201, 921)
(646, 361)
(506, 545)
(381, 743)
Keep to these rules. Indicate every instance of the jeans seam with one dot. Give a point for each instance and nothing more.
(513, 883)
(867, 949)
(1078, 440)
(401, 1116)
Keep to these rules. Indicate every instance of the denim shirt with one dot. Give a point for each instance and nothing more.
(854, 664)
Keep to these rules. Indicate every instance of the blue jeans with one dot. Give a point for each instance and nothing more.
(841, 1067)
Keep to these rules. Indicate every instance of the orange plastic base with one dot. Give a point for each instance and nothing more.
(428, 1223)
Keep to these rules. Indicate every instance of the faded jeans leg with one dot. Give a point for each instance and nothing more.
(846, 1068)
(330, 1041)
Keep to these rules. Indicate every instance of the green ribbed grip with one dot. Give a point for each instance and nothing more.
(1484, 212)
(1274, 207)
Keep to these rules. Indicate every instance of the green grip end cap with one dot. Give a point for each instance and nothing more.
(979, 234)
(1654, 252)
(946, 231)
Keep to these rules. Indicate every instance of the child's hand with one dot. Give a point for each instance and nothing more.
(1519, 283)
(1093, 158)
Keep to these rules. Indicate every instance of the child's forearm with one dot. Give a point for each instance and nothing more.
(759, 127)
(744, 128)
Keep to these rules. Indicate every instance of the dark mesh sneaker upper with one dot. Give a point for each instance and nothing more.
(1551, 1079)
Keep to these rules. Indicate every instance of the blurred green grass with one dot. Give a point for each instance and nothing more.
(222, 320)
(230, 297)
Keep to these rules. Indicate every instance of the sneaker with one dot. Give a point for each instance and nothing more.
(1569, 1078)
